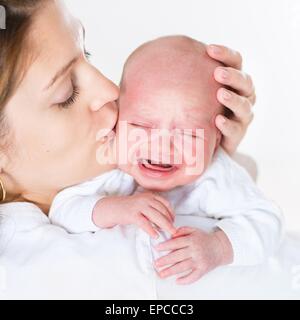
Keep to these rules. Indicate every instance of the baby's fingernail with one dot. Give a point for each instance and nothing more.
(215, 49)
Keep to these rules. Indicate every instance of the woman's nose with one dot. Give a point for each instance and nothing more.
(111, 114)
(105, 91)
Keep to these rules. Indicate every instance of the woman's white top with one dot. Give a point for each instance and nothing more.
(42, 261)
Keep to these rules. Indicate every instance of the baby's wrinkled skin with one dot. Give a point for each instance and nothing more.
(169, 84)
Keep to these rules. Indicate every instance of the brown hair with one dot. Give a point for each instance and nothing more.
(13, 41)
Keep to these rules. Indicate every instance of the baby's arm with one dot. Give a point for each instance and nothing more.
(79, 214)
(74, 213)
(143, 210)
(252, 223)
(254, 232)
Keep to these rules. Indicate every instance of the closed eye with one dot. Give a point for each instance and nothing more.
(71, 100)
(141, 125)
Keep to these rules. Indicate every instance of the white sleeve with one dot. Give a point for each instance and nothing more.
(73, 207)
(252, 223)
(255, 234)
(75, 214)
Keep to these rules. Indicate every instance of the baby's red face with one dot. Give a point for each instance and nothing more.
(166, 131)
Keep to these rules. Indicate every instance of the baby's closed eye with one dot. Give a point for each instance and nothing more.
(141, 125)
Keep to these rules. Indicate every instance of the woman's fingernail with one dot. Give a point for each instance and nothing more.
(224, 74)
(215, 49)
(226, 95)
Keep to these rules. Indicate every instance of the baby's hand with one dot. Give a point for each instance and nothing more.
(195, 251)
(143, 210)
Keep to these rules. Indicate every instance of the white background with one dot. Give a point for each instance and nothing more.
(267, 33)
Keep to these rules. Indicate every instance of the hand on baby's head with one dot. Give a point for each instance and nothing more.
(168, 101)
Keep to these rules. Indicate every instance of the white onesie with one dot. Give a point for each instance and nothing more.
(225, 192)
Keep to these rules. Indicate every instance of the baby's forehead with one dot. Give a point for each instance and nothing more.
(172, 67)
(166, 70)
(193, 97)
(187, 71)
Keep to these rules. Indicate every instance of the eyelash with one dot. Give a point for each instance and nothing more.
(144, 127)
(140, 126)
(71, 100)
(75, 94)
(87, 55)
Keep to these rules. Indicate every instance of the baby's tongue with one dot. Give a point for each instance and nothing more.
(157, 166)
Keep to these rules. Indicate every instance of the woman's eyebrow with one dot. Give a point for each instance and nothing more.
(64, 69)
(61, 72)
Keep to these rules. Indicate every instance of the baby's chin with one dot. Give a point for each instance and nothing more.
(165, 185)
(156, 186)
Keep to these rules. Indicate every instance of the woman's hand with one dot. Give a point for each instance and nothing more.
(239, 99)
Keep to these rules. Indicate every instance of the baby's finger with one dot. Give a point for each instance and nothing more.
(190, 278)
(167, 204)
(183, 231)
(237, 80)
(239, 105)
(173, 257)
(159, 219)
(225, 55)
(173, 244)
(147, 226)
(180, 267)
(162, 209)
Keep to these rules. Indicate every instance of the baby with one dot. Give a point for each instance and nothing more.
(170, 161)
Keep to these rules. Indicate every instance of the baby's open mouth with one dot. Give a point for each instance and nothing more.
(156, 166)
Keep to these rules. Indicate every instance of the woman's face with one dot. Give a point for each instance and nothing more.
(57, 111)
